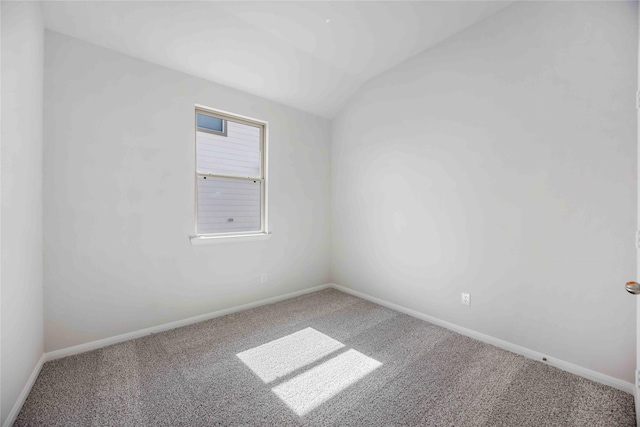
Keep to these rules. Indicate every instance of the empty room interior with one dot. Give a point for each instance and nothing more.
(319, 213)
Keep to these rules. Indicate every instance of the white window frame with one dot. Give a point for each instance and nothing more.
(263, 233)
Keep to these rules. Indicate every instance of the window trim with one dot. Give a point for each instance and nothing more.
(264, 232)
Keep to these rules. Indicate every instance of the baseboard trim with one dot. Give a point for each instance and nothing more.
(93, 345)
(526, 352)
(11, 418)
(505, 345)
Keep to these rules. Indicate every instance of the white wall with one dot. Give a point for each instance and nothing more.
(119, 198)
(502, 163)
(636, 394)
(21, 190)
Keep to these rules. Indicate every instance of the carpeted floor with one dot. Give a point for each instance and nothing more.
(325, 358)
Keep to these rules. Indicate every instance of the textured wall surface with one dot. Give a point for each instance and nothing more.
(21, 211)
(119, 198)
(502, 163)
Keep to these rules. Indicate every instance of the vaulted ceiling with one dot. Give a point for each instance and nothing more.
(309, 55)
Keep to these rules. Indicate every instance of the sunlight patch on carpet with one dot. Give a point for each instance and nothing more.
(310, 389)
(315, 385)
(280, 357)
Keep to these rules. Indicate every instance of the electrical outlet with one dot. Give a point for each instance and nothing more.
(263, 278)
(465, 299)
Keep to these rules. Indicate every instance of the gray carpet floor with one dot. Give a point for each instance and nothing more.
(322, 359)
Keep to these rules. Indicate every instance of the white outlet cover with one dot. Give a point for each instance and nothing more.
(465, 299)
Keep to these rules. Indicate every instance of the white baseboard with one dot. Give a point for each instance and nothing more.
(514, 348)
(531, 354)
(11, 418)
(93, 345)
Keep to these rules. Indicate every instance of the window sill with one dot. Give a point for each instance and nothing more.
(212, 240)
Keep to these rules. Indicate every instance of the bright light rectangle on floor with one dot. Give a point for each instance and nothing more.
(280, 357)
(310, 389)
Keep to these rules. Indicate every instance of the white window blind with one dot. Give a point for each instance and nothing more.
(230, 178)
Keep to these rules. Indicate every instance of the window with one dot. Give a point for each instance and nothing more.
(230, 175)
(210, 124)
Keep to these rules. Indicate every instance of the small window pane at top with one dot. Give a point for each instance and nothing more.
(210, 124)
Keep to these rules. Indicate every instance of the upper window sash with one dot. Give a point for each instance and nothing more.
(206, 169)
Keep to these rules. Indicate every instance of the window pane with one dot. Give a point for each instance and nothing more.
(228, 205)
(238, 153)
(211, 123)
